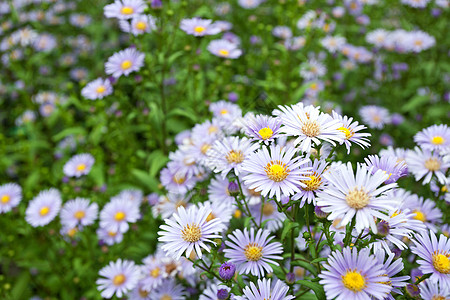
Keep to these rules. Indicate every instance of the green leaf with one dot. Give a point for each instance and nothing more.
(306, 265)
(287, 228)
(69, 131)
(415, 102)
(317, 288)
(20, 286)
(319, 260)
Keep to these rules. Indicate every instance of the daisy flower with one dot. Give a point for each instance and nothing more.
(229, 154)
(416, 3)
(119, 278)
(168, 204)
(351, 131)
(221, 210)
(43, 208)
(124, 62)
(189, 231)
(389, 165)
(78, 212)
(153, 273)
(109, 237)
(295, 43)
(175, 179)
(139, 24)
(10, 196)
(310, 125)
(265, 290)
(275, 173)
(169, 289)
(375, 116)
(218, 190)
(392, 267)
(248, 4)
(424, 164)
(425, 210)
(353, 275)
(315, 183)
(263, 128)
(138, 293)
(429, 290)
(224, 48)
(199, 27)
(312, 69)
(252, 253)
(333, 43)
(225, 112)
(377, 37)
(97, 89)
(436, 137)
(360, 196)
(124, 9)
(79, 165)
(434, 256)
(116, 214)
(282, 32)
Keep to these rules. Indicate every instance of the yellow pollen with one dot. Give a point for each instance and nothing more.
(253, 252)
(212, 129)
(141, 25)
(119, 216)
(79, 214)
(179, 179)
(237, 213)
(224, 111)
(205, 148)
(420, 216)
(268, 209)
(166, 297)
(441, 263)
(299, 272)
(437, 140)
(385, 282)
(357, 198)
(314, 183)
(155, 272)
(191, 233)
(235, 157)
(44, 210)
(5, 198)
(210, 217)
(432, 164)
(437, 297)
(81, 167)
(112, 233)
(277, 171)
(353, 5)
(101, 89)
(265, 133)
(396, 213)
(143, 293)
(310, 128)
(72, 232)
(376, 118)
(336, 224)
(119, 279)
(224, 52)
(418, 43)
(180, 203)
(354, 281)
(126, 64)
(126, 10)
(347, 132)
(199, 29)
(314, 86)
(444, 189)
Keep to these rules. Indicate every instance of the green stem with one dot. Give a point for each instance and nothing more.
(348, 233)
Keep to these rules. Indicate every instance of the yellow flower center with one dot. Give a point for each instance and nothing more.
(81, 167)
(354, 281)
(191, 233)
(112, 233)
(235, 157)
(347, 132)
(72, 232)
(44, 211)
(437, 140)
(299, 271)
(418, 43)
(432, 164)
(314, 183)
(205, 148)
(420, 216)
(5, 198)
(179, 179)
(237, 214)
(265, 133)
(212, 129)
(224, 111)
(441, 263)
(210, 217)
(268, 209)
(180, 203)
(126, 64)
(101, 89)
(357, 198)
(155, 272)
(126, 10)
(119, 279)
(444, 189)
(141, 25)
(79, 214)
(314, 86)
(199, 29)
(119, 216)
(311, 128)
(276, 171)
(224, 52)
(143, 293)
(253, 252)
(166, 297)
(437, 297)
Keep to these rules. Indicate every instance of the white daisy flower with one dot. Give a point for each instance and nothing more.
(43, 208)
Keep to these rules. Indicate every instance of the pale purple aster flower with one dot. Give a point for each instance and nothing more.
(224, 48)
(333, 43)
(97, 89)
(375, 116)
(266, 290)
(312, 69)
(79, 165)
(249, 4)
(175, 179)
(225, 110)
(124, 62)
(275, 173)
(119, 278)
(138, 293)
(351, 131)
(199, 27)
(47, 109)
(78, 211)
(189, 231)
(132, 195)
(109, 237)
(116, 214)
(282, 32)
(388, 164)
(295, 43)
(26, 117)
(218, 190)
(310, 125)
(10, 196)
(153, 273)
(43, 208)
(139, 24)
(169, 289)
(252, 253)
(425, 210)
(168, 204)
(392, 268)
(424, 164)
(353, 275)
(124, 9)
(434, 256)
(377, 37)
(430, 290)
(211, 130)
(229, 154)
(416, 3)
(220, 210)
(436, 137)
(45, 42)
(314, 184)
(263, 128)
(417, 41)
(360, 196)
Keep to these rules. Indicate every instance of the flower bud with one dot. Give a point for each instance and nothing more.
(319, 213)
(412, 290)
(226, 270)
(222, 294)
(383, 228)
(290, 278)
(233, 189)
